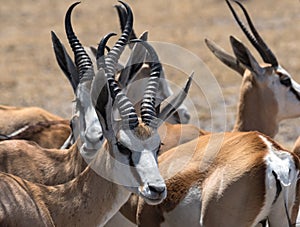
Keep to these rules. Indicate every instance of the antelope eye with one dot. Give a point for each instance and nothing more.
(124, 150)
(286, 81)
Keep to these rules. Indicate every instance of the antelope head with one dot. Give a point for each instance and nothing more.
(133, 143)
(273, 76)
(275, 85)
(80, 74)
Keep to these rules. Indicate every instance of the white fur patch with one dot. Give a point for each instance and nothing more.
(281, 163)
(187, 212)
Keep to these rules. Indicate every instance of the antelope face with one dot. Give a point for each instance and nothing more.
(287, 93)
(137, 150)
(129, 154)
(286, 90)
(90, 129)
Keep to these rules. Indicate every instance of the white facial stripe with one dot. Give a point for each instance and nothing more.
(286, 93)
(295, 85)
(281, 70)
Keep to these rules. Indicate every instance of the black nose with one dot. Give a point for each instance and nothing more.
(157, 189)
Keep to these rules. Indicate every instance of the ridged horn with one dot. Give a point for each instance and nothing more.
(114, 54)
(124, 105)
(148, 110)
(255, 39)
(122, 19)
(100, 51)
(82, 60)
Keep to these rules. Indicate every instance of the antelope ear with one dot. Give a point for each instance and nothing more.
(245, 57)
(65, 62)
(172, 106)
(225, 57)
(102, 101)
(134, 63)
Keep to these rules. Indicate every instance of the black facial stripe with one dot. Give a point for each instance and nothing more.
(123, 149)
(131, 163)
(286, 82)
(295, 93)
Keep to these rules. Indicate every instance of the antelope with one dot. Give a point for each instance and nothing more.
(134, 74)
(45, 133)
(268, 93)
(135, 70)
(211, 185)
(33, 123)
(258, 88)
(64, 165)
(271, 89)
(126, 162)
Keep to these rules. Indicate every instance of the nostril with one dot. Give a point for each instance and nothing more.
(157, 189)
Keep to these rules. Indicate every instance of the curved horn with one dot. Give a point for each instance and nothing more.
(100, 51)
(148, 110)
(125, 107)
(82, 60)
(122, 19)
(255, 39)
(172, 106)
(114, 55)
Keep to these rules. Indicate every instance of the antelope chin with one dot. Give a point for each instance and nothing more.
(151, 197)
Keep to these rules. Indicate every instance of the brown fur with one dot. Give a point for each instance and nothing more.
(46, 129)
(143, 131)
(13, 118)
(129, 208)
(296, 151)
(296, 148)
(81, 202)
(240, 159)
(54, 166)
(173, 135)
(257, 107)
(46, 166)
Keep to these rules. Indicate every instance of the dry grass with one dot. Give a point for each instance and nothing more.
(30, 75)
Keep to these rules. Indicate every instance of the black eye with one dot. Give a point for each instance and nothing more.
(124, 150)
(284, 79)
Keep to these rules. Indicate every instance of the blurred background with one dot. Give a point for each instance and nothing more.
(30, 76)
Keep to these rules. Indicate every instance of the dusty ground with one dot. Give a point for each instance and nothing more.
(30, 75)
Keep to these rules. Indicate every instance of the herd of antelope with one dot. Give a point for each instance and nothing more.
(124, 159)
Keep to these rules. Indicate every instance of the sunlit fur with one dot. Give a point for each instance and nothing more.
(34, 123)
